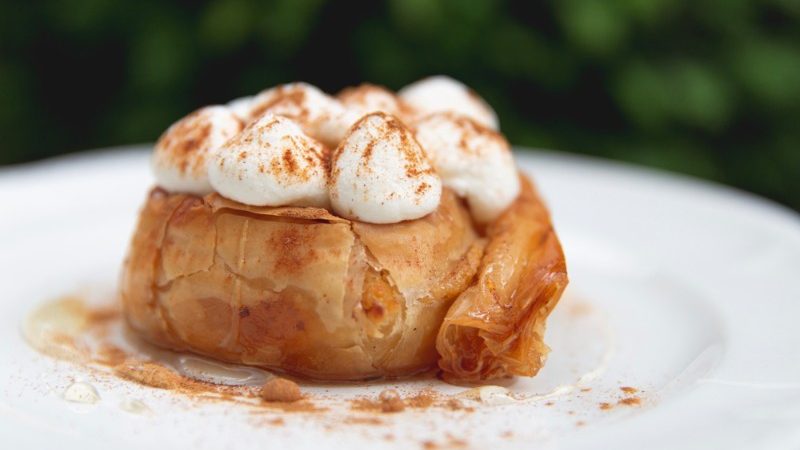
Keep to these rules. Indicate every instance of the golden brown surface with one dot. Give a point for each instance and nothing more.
(309, 293)
(296, 289)
(496, 327)
(280, 390)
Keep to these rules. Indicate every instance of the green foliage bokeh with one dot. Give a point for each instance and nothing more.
(705, 87)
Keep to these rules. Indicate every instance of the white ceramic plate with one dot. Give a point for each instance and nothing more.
(686, 291)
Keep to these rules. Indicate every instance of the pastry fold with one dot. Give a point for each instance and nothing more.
(496, 326)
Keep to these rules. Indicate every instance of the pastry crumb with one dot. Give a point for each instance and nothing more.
(280, 390)
(390, 401)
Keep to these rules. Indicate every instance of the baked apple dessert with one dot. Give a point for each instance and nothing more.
(367, 235)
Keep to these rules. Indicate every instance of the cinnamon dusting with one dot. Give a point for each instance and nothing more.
(626, 401)
(278, 421)
(389, 401)
(185, 144)
(630, 401)
(364, 421)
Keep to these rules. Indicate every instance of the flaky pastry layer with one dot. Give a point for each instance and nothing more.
(309, 293)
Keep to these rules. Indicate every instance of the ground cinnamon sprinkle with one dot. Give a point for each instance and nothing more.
(111, 355)
(422, 399)
(289, 163)
(427, 398)
(187, 136)
(280, 390)
(456, 405)
(363, 421)
(457, 443)
(630, 401)
(277, 394)
(302, 406)
(422, 188)
(627, 401)
(388, 401)
(155, 375)
(454, 442)
(98, 323)
(150, 374)
(628, 390)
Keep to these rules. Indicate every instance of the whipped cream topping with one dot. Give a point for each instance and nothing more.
(473, 160)
(380, 171)
(272, 162)
(380, 174)
(182, 153)
(367, 98)
(241, 107)
(320, 115)
(441, 93)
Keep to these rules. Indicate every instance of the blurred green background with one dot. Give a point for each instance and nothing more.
(705, 87)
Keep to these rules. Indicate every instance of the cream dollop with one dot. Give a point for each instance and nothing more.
(379, 173)
(242, 107)
(181, 155)
(367, 98)
(271, 163)
(473, 160)
(441, 93)
(320, 115)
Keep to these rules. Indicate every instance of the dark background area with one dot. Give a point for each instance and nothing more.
(706, 87)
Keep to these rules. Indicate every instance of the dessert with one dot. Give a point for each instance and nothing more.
(346, 238)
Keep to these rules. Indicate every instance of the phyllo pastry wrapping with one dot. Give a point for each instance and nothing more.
(496, 326)
(300, 290)
(297, 289)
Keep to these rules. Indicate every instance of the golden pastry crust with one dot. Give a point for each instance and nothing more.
(303, 291)
(296, 289)
(496, 327)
